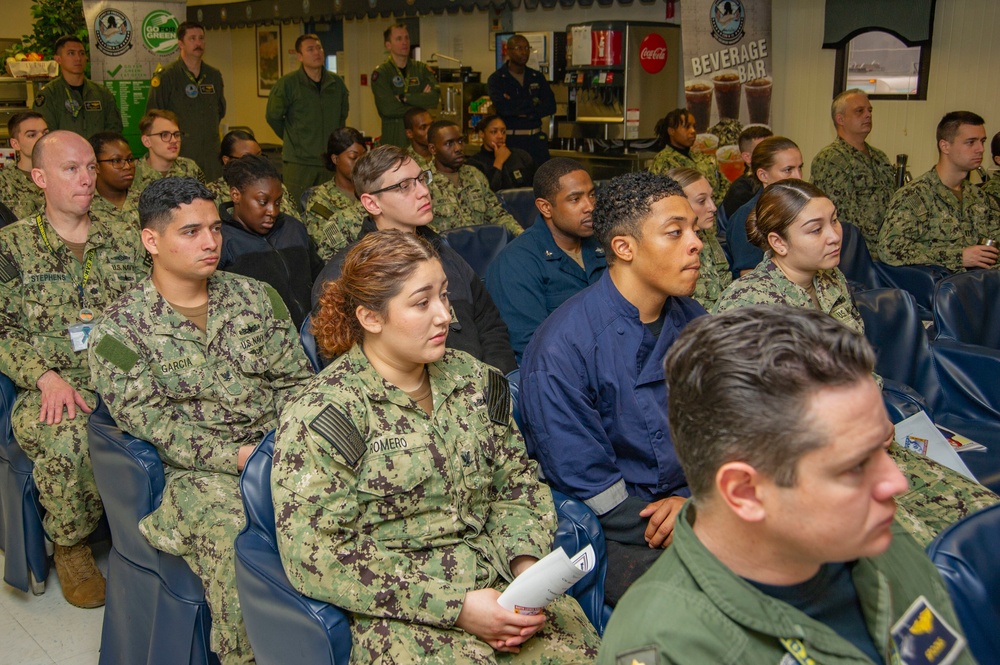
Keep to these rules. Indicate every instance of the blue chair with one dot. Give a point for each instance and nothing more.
(284, 626)
(520, 203)
(967, 308)
(864, 273)
(7, 216)
(578, 527)
(965, 555)
(304, 199)
(309, 344)
(156, 611)
(479, 244)
(26, 563)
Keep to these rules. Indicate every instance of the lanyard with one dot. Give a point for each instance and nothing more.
(191, 77)
(402, 74)
(87, 264)
(72, 105)
(798, 651)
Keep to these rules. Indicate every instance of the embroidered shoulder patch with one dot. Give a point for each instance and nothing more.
(498, 397)
(277, 304)
(9, 270)
(117, 353)
(335, 427)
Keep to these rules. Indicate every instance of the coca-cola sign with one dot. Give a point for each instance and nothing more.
(653, 53)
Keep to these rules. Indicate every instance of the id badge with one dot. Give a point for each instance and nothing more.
(79, 335)
(923, 638)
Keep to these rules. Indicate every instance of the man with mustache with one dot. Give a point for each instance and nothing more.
(592, 376)
(193, 90)
(199, 363)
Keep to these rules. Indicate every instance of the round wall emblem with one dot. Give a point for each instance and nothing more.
(114, 32)
(728, 19)
(653, 53)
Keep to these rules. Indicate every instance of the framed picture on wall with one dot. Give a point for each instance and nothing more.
(268, 58)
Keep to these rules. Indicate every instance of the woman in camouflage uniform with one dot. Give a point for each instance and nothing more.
(714, 275)
(332, 213)
(677, 134)
(402, 489)
(239, 143)
(797, 227)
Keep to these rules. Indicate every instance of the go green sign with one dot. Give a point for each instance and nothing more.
(159, 32)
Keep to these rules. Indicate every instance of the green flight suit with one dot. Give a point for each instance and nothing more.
(96, 110)
(395, 515)
(690, 609)
(200, 105)
(197, 397)
(398, 90)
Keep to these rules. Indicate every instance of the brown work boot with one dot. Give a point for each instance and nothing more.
(81, 581)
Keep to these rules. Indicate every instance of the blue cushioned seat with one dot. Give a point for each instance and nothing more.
(520, 203)
(967, 308)
(965, 555)
(155, 611)
(478, 244)
(284, 626)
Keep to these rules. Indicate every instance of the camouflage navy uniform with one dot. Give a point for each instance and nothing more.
(20, 193)
(670, 158)
(182, 167)
(927, 225)
(992, 186)
(395, 515)
(714, 275)
(859, 185)
(197, 397)
(332, 219)
(125, 218)
(938, 496)
(422, 162)
(472, 202)
(221, 190)
(39, 300)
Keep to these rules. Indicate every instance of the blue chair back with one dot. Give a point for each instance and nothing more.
(967, 308)
(855, 260)
(284, 626)
(308, 342)
(965, 555)
(304, 199)
(156, 611)
(520, 203)
(479, 244)
(22, 537)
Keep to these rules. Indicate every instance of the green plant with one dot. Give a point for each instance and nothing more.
(53, 19)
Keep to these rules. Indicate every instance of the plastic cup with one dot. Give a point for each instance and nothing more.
(730, 162)
(706, 143)
(698, 97)
(758, 94)
(727, 94)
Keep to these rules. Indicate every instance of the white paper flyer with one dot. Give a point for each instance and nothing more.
(918, 434)
(546, 580)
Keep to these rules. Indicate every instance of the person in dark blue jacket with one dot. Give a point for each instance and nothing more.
(555, 258)
(592, 388)
(522, 97)
(260, 241)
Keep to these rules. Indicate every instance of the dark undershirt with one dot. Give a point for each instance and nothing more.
(656, 327)
(77, 88)
(830, 598)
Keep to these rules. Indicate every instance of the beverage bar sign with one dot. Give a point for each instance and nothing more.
(727, 73)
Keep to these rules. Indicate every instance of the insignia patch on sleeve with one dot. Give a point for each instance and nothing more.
(277, 304)
(9, 271)
(923, 637)
(321, 210)
(334, 426)
(498, 397)
(117, 353)
(40, 100)
(640, 656)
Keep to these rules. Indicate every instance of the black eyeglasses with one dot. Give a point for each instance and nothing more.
(118, 162)
(406, 184)
(166, 136)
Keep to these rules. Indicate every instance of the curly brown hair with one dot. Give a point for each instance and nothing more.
(373, 273)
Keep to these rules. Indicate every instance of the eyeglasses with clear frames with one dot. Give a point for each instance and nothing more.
(118, 163)
(405, 185)
(166, 136)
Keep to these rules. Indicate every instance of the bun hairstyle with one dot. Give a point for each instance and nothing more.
(373, 273)
(766, 152)
(685, 176)
(777, 208)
